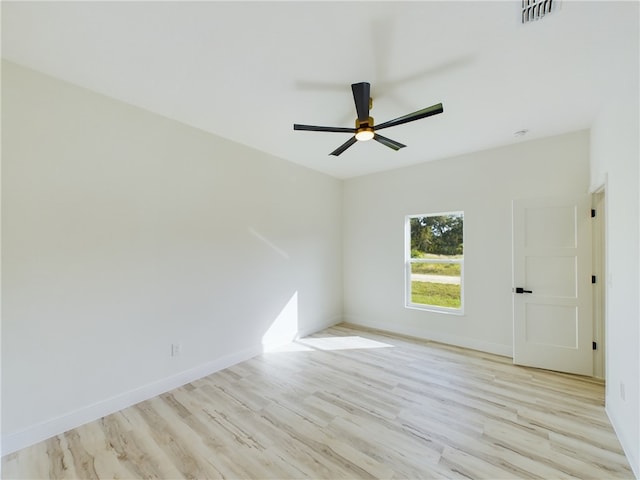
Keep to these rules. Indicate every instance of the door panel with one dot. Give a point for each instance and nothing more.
(552, 275)
(552, 325)
(550, 227)
(552, 260)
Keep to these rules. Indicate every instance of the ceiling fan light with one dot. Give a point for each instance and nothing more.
(364, 134)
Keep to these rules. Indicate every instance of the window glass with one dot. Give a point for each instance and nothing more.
(435, 261)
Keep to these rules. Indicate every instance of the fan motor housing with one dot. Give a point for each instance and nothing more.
(360, 124)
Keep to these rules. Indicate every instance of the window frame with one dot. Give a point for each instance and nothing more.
(409, 261)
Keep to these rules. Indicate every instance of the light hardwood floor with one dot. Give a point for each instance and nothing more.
(349, 403)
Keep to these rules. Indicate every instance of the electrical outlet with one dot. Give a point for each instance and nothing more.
(622, 393)
(176, 349)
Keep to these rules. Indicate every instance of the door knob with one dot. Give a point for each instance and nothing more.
(522, 290)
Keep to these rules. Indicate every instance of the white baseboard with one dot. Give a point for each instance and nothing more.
(634, 461)
(465, 342)
(310, 331)
(55, 426)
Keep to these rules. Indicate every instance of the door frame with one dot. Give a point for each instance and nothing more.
(599, 266)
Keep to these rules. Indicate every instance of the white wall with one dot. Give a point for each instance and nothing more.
(482, 185)
(616, 154)
(125, 232)
(615, 164)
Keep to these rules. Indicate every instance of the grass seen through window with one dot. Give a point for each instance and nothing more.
(441, 294)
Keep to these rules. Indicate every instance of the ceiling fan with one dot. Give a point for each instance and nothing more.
(365, 128)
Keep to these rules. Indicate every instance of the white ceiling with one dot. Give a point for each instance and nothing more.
(248, 70)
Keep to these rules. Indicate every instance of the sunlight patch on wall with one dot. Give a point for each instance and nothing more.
(268, 243)
(284, 328)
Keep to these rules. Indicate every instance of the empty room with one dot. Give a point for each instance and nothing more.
(317, 239)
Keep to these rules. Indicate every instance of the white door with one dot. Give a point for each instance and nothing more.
(552, 318)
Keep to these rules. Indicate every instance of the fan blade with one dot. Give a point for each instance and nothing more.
(388, 142)
(361, 95)
(425, 112)
(344, 146)
(315, 128)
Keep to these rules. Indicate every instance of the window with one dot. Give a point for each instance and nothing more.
(434, 261)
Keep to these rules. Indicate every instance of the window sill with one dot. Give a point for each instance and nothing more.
(447, 311)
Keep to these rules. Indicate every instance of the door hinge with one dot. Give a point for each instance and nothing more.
(593, 279)
(594, 345)
(593, 213)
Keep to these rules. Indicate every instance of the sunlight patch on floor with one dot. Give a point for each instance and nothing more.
(330, 343)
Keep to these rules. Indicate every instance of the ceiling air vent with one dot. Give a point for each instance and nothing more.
(536, 9)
